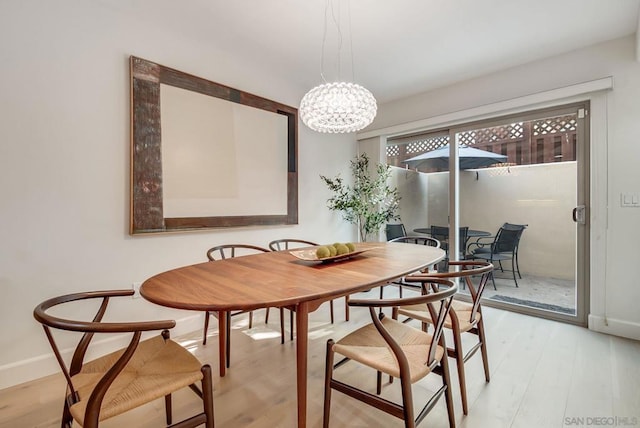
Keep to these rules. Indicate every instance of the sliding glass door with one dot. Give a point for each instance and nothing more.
(526, 172)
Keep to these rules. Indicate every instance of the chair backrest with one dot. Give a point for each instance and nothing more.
(431, 299)
(418, 240)
(285, 244)
(469, 272)
(395, 231)
(463, 235)
(228, 251)
(89, 328)
(508, 238)
(441, 233)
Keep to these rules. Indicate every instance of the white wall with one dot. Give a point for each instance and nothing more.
(615, 230)
(413, 188)
(64, 165)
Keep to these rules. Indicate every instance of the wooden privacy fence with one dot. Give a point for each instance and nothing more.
(524, 143)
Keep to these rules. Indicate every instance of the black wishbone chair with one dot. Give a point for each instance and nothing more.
(123, 380)
(463, 317)
(399, 350)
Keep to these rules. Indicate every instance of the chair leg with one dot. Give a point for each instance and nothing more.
(167, 407)
(346, 308)
(266, 317)
(67, 419)
(517, 264)
(331, 310)
(448, 396)
(328, 376)
(457, 344)
(282, 326)
(513, 270)
(206, 327)
(251, 319)
(483, 349)
(407, 401)
(493, 281)
(379, 382)
(207, 395)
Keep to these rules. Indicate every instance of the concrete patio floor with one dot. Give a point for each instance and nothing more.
(558, 295)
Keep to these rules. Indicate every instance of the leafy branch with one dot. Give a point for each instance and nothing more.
(370, 203)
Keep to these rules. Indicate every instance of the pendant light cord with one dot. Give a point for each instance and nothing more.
(324, 39)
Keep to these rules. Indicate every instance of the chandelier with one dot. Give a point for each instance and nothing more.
(337, 107)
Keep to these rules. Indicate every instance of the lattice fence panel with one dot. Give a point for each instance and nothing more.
(415, 148)
(513, 131)
(428, 144)
(554, 125)
(393, 150)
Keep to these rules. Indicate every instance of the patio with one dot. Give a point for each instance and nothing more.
(539, 292)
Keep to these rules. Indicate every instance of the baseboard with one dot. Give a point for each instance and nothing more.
(46, 364)
(614, 327)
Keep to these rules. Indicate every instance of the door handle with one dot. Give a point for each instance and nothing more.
(579, 214)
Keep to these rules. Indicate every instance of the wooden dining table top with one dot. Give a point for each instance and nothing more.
(278, 279)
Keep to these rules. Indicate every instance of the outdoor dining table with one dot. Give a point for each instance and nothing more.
(472, 233)
(278, 279)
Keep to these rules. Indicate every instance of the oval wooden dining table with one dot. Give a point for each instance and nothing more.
(278, 279)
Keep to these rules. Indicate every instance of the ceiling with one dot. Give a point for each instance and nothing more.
(400, 47)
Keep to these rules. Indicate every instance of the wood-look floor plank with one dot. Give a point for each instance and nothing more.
(625, 359)
(545, 400)
(590, 392)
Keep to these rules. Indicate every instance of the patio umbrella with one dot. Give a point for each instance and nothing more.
(469, 158)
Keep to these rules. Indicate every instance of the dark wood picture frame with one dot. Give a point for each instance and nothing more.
(146, 205)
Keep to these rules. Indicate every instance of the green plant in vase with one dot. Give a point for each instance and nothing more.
(369, 203)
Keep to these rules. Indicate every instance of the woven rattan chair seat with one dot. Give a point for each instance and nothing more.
(157, 368)
(366, 346)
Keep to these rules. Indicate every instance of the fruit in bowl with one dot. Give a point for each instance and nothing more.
(335, 249)
(323, 252)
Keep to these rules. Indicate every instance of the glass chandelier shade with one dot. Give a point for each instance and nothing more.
(338, 107)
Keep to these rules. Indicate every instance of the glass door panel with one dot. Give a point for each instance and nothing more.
(536, 185)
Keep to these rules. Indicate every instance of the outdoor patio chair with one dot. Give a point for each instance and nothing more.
(115, 383)
(399, 350)
(283, 245)
(504, 246)
(222, 252)
(441, 233)
(395, 231)
(463, 317)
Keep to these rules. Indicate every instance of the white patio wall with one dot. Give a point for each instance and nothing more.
(541, 196)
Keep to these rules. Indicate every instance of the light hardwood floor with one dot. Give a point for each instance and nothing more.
(543, 374)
